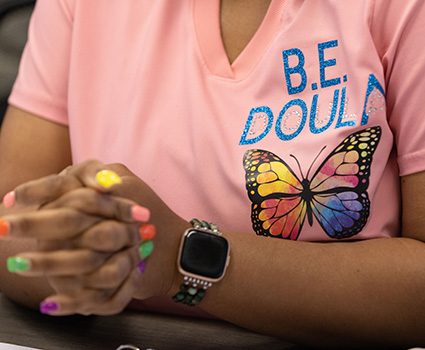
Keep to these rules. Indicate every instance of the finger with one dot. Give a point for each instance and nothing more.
(57, 263)
(90, 173)
(93, 301)
(57, 224)
(74, 303)
(115, 271)
(108, 236)
(40, 191)
(92, 202)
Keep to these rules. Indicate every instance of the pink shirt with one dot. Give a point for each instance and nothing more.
(148, 84)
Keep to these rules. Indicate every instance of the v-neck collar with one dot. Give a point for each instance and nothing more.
(206, 16)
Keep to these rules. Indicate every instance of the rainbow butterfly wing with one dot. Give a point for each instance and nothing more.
(340, 201)
(275, 191)
(336, 195)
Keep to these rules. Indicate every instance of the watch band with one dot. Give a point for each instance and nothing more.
(193, 290)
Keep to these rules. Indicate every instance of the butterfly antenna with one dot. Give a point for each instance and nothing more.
(299, 166)
(308, 173)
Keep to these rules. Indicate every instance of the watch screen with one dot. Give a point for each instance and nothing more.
(204, 254)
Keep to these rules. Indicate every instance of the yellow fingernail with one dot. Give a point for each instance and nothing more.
(107, 178)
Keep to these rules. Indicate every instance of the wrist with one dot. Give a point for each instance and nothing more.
(176, 279)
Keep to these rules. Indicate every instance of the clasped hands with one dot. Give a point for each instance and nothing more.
(94, 239)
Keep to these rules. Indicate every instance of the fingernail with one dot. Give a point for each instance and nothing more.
(47, 307)
(17, 264)
(4, 227)
(147, 232)
(107, 178)
(146, 249)
(139, 213)
(9, 199)
(142, 266)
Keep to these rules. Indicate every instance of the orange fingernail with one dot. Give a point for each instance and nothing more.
(9, 199)
(147, 232)
(4, 227)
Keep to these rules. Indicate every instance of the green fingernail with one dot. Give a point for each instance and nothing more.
(146, 249)
(17, 264)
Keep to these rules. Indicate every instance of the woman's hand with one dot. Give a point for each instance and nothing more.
(90, 239)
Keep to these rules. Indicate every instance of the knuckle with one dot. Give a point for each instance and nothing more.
(48, 264)
(120, 211)
(106, 236)
(118, 167)
(69, 221)
(86, 198)
(55, 181)
(113, 276)
(92, 260)
(94, 202)
(25, 225)
(92, 163)
(95, 239)
(102, 239)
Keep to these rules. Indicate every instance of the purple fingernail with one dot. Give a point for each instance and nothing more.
(48, 307)
(142, 266)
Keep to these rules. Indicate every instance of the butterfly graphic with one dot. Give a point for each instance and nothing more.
(336, 194)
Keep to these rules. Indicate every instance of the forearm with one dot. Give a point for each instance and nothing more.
(332, 295)
(30, 147)
(24, 290)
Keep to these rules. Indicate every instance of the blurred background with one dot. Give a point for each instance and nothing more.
(14, 19)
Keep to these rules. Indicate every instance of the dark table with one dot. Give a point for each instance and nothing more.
(22, 326)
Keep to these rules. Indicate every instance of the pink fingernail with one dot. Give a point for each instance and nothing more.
(48, 307)
(142, 266)
(9, 199)
(139, 213)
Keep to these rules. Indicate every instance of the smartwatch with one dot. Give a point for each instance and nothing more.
(203, 259)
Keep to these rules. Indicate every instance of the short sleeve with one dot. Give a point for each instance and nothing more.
(398, 29)
(42, 84)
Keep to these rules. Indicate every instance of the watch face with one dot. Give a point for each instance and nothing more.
(204, 254)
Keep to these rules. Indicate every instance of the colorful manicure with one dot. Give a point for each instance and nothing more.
(147, 232)
(107, 178)
(142, 266)
(9, 199)
(139, 213)
(146, 249)
(48, 307)
(17, 264)
(4, 227)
